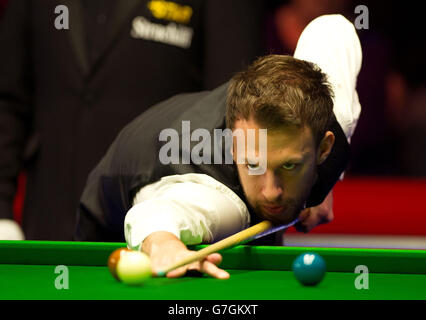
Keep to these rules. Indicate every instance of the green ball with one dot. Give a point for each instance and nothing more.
(309, 268)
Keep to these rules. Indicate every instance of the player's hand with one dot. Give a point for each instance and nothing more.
(311, 217)
(208, 266)
(165, 249)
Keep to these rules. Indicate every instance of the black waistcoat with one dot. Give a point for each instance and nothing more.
(132, 162)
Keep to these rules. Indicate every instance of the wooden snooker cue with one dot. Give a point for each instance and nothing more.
(233, 240)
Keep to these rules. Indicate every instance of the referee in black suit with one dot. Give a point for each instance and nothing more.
(66, 92)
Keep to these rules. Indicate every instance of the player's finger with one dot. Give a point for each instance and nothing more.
(208, 266)
(180, 272)
(212, 270)
(215, 258)
(176, 273)
(300, 227)
(311, 222)
(304, 215)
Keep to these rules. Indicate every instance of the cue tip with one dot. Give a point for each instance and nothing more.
(161, 274)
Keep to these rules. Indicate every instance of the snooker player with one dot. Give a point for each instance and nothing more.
(307, 103)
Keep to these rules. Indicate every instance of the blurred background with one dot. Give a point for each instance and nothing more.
(390, 137)
(384, 190)
(381, 201)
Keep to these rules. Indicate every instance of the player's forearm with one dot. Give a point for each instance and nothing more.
(195, 208)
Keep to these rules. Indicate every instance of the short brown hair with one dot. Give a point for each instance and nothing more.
(279, 90)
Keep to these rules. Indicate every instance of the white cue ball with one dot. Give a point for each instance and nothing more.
(134, 268)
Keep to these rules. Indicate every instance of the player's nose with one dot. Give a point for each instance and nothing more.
(272, 188)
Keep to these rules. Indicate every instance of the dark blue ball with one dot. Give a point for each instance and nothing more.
(309, 268)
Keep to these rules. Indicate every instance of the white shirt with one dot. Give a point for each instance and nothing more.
(331, 42)
(196, 207)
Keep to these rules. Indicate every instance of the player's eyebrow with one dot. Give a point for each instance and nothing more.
(292, 159)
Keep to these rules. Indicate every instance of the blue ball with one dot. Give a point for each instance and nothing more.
(309, 268)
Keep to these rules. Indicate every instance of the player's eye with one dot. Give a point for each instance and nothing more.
(252, 166)
(289, 166)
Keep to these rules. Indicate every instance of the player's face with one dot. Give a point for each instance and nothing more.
(278, 191)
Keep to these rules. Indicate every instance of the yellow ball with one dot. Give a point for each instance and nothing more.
(134, 268)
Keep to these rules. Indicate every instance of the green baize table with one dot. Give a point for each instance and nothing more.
(35, 270)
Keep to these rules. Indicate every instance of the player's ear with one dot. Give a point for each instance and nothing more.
(325, 147)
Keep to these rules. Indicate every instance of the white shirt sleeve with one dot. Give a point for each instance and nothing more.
(10, 230)
(331, 42)
(194, 207)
